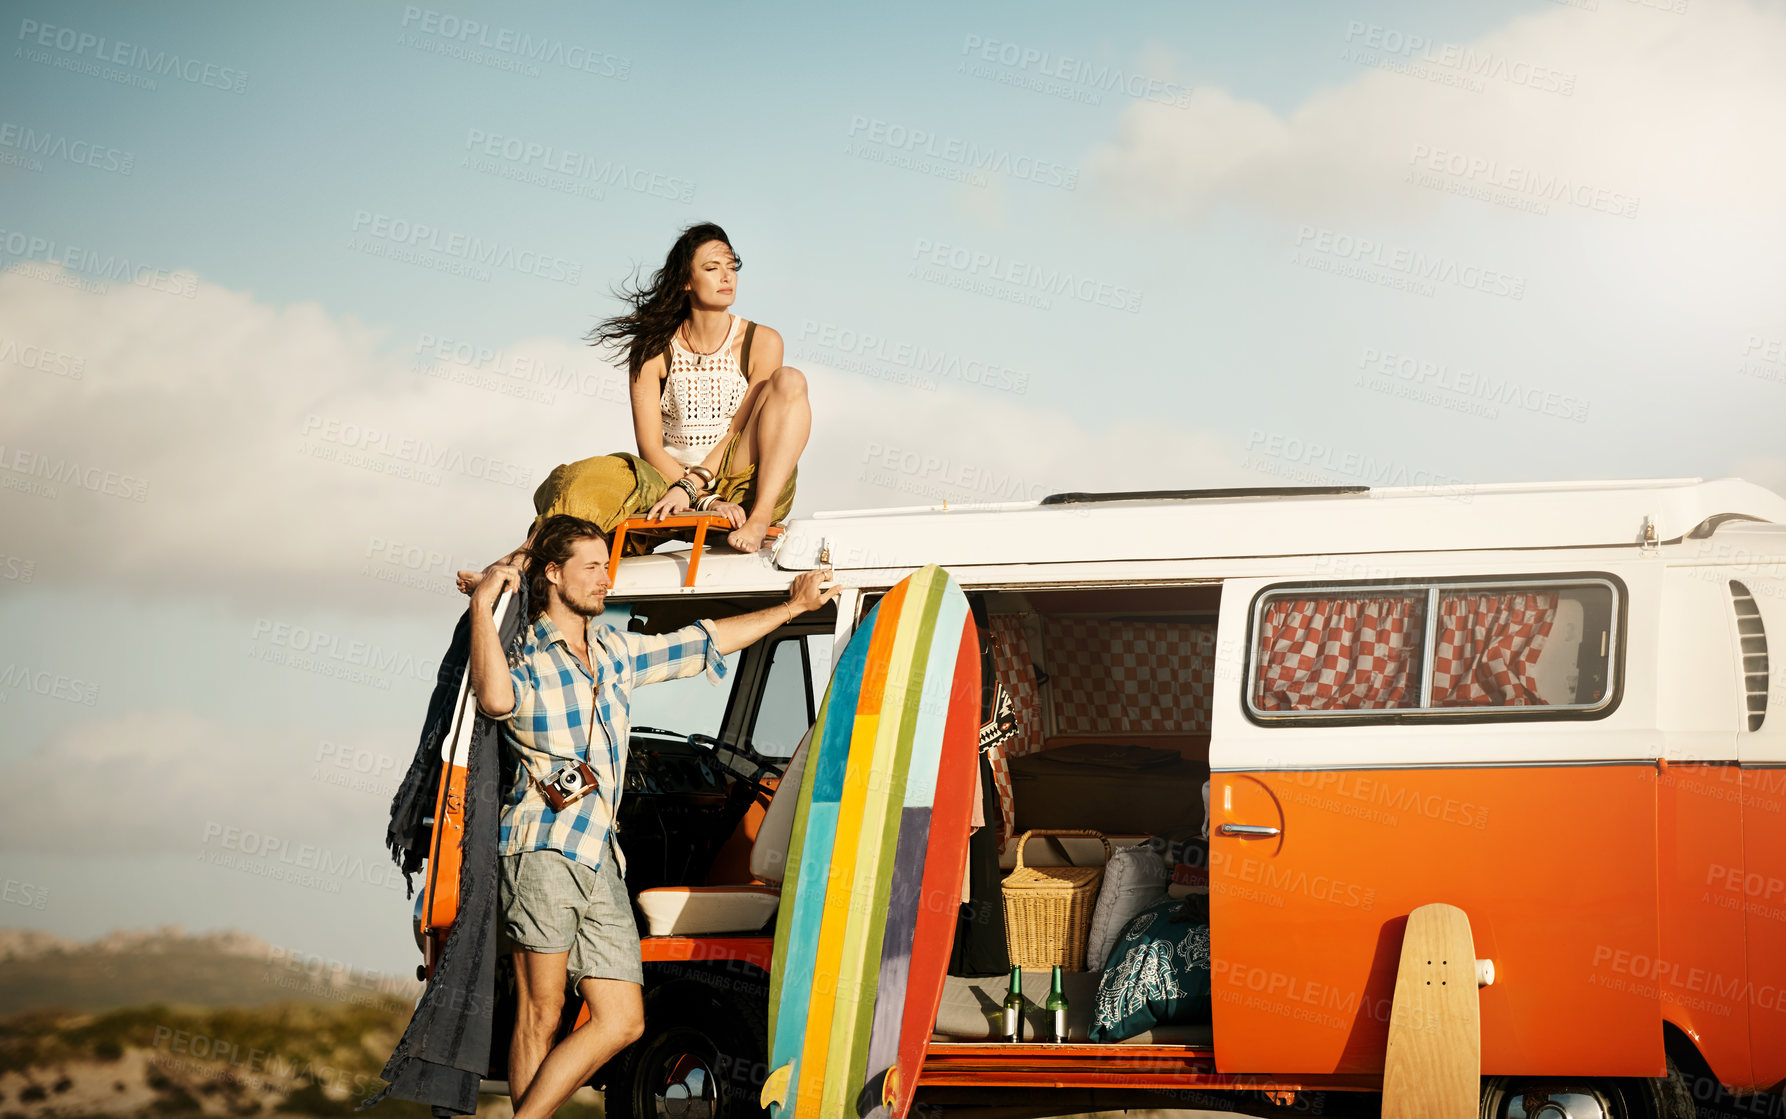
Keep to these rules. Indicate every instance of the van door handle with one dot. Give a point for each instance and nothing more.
(1249, 830)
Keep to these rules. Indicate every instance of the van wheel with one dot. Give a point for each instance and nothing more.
(700, 1058)
(1560, 1098)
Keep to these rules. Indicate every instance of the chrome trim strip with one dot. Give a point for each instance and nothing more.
(1429, 644)
(1553, 764)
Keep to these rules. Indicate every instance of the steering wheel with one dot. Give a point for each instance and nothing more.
(713, 745)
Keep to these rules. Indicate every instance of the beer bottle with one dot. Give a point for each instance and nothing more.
(1014, 1007)
(1056, 1006)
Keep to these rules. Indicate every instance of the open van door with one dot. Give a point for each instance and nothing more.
(1487, 742)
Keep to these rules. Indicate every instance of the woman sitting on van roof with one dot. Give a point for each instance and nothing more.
(720, 421)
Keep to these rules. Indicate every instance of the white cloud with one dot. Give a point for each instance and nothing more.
(1636, 215)
(1682, 111)
(152, 782)
(220, 444)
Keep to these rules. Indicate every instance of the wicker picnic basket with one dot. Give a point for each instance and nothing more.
(1048, 908)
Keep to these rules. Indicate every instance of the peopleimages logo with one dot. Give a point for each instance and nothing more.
(31, 142)
(73, 473)
(1384, 365)
(1024, 276)
(882, 141)
(476, 41)
(922, 362)
(54, 362)
(101, 267)
(299, 864)
(1062, 75)
(16, 678)
(82, 45)
(1401, 265)
(1491, 180)
(320, 432)
(334, 654)
(462, 247)
(1453, 63)
(1319, 462)
(546, 160)
(517, 375)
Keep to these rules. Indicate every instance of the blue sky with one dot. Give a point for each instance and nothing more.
(1463, 242)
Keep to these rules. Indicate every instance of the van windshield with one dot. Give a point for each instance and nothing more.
(692, 705)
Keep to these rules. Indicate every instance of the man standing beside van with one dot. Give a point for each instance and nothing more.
(563, 706)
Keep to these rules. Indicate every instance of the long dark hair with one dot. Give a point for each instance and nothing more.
(552, 544)
(658, 307)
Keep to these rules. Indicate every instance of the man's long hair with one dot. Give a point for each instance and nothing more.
(658, 307)
(552, 544)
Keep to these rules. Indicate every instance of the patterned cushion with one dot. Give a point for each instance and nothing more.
(1157, 974)
(1134, 878)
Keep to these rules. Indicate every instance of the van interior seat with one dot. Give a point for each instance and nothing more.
(699, 910)
(1124, 787)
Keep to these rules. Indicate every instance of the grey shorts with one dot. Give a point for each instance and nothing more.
(554, 904)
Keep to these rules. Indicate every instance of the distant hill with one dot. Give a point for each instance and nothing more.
(159, 1022)
(276, 1062)
(40, 971)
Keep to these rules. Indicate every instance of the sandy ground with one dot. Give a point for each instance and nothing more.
(141, 1082)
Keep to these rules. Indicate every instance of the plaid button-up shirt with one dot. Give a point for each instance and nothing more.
(558, 705)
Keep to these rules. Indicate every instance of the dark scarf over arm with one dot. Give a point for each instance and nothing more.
(445, 1051)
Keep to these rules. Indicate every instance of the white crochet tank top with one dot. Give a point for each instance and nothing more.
(701, 395)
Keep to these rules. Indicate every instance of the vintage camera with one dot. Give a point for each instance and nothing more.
(567, 785)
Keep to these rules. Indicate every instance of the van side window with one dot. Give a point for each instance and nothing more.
(1512, 648)
(786, 709)
(1339, 653)
(1436, 647)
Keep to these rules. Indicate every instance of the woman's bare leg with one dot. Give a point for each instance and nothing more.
(773, 438)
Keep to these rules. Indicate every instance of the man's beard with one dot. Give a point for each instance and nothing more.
(588, 608)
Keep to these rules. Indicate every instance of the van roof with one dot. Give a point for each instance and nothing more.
(1303, 520)
(1223, 524)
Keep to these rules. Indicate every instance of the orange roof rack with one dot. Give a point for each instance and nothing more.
(700, 522)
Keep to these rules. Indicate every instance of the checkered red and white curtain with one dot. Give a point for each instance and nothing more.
(1015, 668)
(1487, 647)
(1339, 654)
(1015, 671)
(1108, 677)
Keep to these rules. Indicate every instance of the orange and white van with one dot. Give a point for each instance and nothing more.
(1550, 705)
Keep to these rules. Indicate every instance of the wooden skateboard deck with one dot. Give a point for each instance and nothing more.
(876, 859)
(1433, 1066)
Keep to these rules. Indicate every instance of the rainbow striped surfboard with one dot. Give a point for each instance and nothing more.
(876, 860)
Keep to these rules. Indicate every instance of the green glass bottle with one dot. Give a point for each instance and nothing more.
(1014, 1007)
(1056, 1006)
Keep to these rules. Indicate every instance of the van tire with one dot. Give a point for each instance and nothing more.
(698, 1044)
(1667, 1097)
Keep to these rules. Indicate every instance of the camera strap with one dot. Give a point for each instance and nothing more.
(583, 756)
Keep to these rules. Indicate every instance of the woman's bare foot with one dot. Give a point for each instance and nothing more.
(467, 581)
(750, 537)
